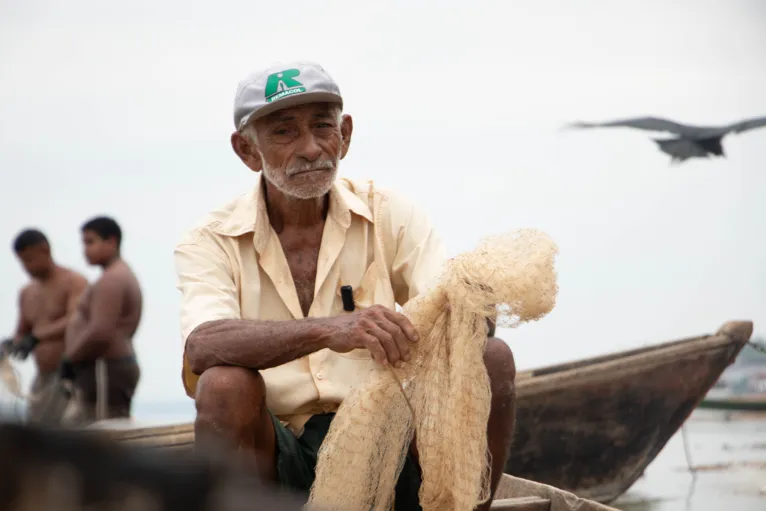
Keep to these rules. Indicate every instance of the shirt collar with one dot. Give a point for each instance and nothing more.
(249, 213)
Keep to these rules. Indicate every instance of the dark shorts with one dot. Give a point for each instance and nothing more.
(122, 377)
(297, 459)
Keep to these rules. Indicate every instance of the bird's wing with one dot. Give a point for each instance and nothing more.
(747, 124)
(642, 123)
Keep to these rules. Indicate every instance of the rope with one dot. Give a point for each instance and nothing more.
(757, 346)
(692, 468)
(102, 390)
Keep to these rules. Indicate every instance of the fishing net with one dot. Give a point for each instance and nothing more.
(9, 378)
(442, 396)
(12, 398)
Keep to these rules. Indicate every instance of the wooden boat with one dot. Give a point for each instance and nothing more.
(591, 427)
(588, 427)
(535, 496)
(743, 391)
(746, 403)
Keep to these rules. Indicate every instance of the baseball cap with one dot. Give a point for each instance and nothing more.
(281, 86)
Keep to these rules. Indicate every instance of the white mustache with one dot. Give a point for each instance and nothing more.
(309, 167)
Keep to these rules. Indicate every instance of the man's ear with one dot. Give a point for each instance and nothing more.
(346, 128)
(245, 149)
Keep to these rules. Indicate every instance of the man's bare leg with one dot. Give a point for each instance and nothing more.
(231, 412)
(501, 369)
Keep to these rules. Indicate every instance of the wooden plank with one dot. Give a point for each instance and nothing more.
(521, 504)
(514, 488)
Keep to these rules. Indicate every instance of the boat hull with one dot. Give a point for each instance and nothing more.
(592, 427)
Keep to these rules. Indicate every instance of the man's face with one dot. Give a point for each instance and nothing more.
(36, 260)
(298, 149)
(97, 249)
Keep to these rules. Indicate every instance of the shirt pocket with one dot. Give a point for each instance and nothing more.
(370, 290)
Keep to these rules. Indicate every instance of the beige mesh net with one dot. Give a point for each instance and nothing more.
(442, 396)
(9, 379)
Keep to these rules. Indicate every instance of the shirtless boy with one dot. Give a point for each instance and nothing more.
(45, 307)
(104, 324)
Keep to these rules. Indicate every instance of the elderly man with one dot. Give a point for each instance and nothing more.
(271, 347)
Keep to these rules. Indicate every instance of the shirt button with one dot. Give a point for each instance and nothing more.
(320, 376)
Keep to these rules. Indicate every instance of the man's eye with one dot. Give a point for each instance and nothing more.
(280, 132)
(324, 125)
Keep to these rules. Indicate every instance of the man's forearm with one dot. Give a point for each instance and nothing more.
(55, 330)
(254, 344)
(87, 346)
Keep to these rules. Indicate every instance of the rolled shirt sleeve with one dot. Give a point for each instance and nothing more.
(206, 282)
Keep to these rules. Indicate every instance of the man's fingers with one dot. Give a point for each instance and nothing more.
(404, 324)
(399, 337)
(375, 349)
(389, 344)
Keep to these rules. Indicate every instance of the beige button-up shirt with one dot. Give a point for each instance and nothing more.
(232, 266)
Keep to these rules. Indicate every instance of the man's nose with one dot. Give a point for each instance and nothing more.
(309, 149)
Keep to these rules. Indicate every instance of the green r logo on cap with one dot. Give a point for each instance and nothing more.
(279, 85)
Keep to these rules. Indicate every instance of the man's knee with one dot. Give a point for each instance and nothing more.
(230, 395)
(501, 368)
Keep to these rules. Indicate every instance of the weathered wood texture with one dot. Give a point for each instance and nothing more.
(523, 492)
(591, 427)
(522, 504)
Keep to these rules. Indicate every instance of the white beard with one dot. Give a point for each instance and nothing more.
(313, 186)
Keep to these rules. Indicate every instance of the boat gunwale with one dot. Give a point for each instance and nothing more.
(629, 363)
(609, 357)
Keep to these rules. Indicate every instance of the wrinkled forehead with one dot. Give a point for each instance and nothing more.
(307, 112)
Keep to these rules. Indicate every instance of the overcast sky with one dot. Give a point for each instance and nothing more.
(126, 110)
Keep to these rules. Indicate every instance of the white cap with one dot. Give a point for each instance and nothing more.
(282, 86)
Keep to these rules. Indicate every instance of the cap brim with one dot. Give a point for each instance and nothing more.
(290, 101)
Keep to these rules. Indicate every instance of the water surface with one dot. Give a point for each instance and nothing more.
(730, 461)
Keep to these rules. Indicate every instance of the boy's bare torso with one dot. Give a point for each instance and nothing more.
(121, 342)
(44, 303)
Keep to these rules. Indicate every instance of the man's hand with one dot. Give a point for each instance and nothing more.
(25, 346)
(66, 370)
(385, 333)
(6, 348)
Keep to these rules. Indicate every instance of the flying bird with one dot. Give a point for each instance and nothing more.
(689, 142)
